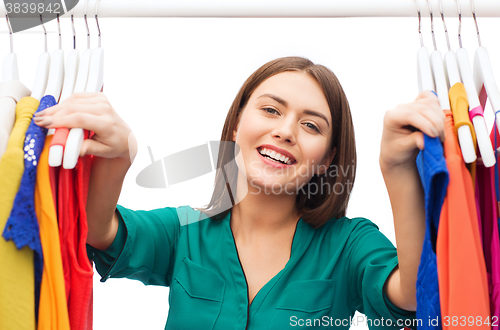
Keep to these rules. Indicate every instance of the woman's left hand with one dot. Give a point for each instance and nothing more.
(404, 126)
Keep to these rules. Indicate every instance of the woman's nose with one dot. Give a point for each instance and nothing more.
(285, 131)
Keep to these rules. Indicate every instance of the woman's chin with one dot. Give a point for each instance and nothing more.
(272, 185)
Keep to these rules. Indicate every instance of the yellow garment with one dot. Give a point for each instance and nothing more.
(460, 109)
(17, 275)
(53, 311)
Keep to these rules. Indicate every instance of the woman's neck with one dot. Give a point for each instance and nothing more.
(260, 215)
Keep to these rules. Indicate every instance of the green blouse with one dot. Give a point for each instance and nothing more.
(333, 271)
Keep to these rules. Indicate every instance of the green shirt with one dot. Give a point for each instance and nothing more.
(333, 271)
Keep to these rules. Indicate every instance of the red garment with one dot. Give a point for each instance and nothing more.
(66, 214)
(54, 183)
(78, 271)
(463, 284)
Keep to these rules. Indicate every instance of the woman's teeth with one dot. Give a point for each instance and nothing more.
(275, 156)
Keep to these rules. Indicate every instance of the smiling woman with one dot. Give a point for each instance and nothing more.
(284, 249)
(298, 109)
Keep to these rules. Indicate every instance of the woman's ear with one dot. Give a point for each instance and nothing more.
(235, 130)
(326, 162)
(234, 135)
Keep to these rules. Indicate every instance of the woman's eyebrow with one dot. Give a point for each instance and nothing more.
(276, 98)
(285, 104)
(317, 114)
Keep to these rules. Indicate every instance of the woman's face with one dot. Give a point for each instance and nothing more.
(288, 113)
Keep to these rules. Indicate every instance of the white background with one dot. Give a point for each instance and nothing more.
(173, 80)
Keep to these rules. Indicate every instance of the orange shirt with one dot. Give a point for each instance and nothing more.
(53, 311)
(463, 285)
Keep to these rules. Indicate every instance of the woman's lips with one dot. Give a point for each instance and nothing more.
(272, 163)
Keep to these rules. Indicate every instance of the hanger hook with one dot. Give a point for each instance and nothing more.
(73, 25)
(59, 29)
(432, 24)
(419, 24)
(10, 32)
(44, 30)
(445, 28)
(97, 21)
(87, 24)
(475, 21)
(459, 23)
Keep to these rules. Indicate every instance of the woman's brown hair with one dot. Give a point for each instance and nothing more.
(316, 209)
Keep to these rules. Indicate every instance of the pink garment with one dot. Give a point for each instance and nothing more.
(491, 249)
(485, 177)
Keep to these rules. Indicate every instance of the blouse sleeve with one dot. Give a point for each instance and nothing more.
(143, 248)
(372, 258)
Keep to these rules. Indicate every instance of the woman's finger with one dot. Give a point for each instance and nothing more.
(65, 109)
(86, 98)
(427, 95)
(437, 118)
(91, 101)
(416, 139)
(397, 119)
(430, 110)
(85, 95)
(87, 121)
(92, 147)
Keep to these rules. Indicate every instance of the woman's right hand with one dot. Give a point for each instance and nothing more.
(112, 138)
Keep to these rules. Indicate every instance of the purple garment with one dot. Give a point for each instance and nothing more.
(491, 243)
(485, 184)
(22, 225)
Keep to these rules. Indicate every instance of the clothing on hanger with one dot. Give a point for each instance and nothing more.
(490, 232)
(78, 271)
(17, 284)
(22, 225)
(434, 175)
(53, 312)
(460, 260)
(488, 222)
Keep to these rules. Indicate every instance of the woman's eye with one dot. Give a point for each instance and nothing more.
(314, 127)
(270, 110)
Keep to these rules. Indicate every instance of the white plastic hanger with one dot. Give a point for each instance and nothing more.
(10, 69)
(83, 69)
(42, 71)
(56, 73)
(94, 85)
(424, 72)
(71, 67)
(483, 140)
(428, 75)
(483, 74)
(11, 92)
(453, 76)
(70, 80)
(438, 70)
(10, 72)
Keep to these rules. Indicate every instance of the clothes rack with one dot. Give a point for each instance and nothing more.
(275, 8)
